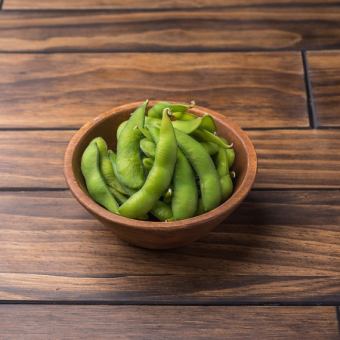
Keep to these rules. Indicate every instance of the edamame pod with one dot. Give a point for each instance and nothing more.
(145, 132)
(105, 165)
(230, 154)
(147, 163)
(204, 167)
(95, 182)
(157, 110)
(222, 167)
(121, 199)
(184, 200)
(210, 147)
(154, 133)
(152, 122)
(120, 128)
(148, 147)
(183, 115)
(160, 175)
(117, 195)
(161, 211)
(129, 165)
(187, 126)
(200, 208)
(125, 190)
(208, 123)
(206, 136)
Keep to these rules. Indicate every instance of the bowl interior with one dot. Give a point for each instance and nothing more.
(106, 126)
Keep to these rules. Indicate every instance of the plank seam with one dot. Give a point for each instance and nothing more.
(171, 50)
(337, 311)
(313, 121)
(164, 303)
(272, 5)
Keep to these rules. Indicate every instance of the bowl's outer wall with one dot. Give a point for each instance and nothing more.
(148, 236)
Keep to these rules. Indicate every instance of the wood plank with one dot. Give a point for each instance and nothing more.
(324, 70)
(65, 90)
(297, 159)
(286, 158)
(150, 4)
(157, 322)
(230, 29)
(264, 253)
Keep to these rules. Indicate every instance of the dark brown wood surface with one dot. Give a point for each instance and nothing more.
(248, 28)
(325, 79)
(63, 274)
(151, 4)
(53, 250)
(154, 322)
(66, 90)
(287, 158)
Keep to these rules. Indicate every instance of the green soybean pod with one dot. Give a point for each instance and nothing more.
(210, 147)
(183, 115)
(154, 133)
(125, 190)
(148, 147)
(204, 168)
(160, 175)
(200, 208)
(162, 211)
(221, 161)
(157, 110)
(206, 136)
(117, 195)
(145, 132)
(120, 128)
(129, 165)
(208, 123)
(148, 163)
(187, 126)
(185, 194)
(95, 182)
(105, 165)
(230, 154)
(152, 122)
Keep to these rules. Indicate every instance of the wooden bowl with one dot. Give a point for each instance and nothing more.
(159, 235)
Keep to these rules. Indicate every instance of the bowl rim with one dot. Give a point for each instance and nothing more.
(231, 203)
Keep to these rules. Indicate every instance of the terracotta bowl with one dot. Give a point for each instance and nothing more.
(159, 235)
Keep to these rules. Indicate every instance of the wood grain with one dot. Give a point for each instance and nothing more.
(150, 4)
(66, 90)
(155, 322)
(286, 158)
(33, 158)
(324, 70)
(230, 29)
(52, 250)
(297, 159)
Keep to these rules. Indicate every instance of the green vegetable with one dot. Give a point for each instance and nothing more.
(160, 175)
(95, 182)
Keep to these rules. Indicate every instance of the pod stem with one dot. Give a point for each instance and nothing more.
(167, 111)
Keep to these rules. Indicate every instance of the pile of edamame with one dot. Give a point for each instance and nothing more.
(169, 165)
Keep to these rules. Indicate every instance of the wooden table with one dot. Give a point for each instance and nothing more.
(272, 269)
